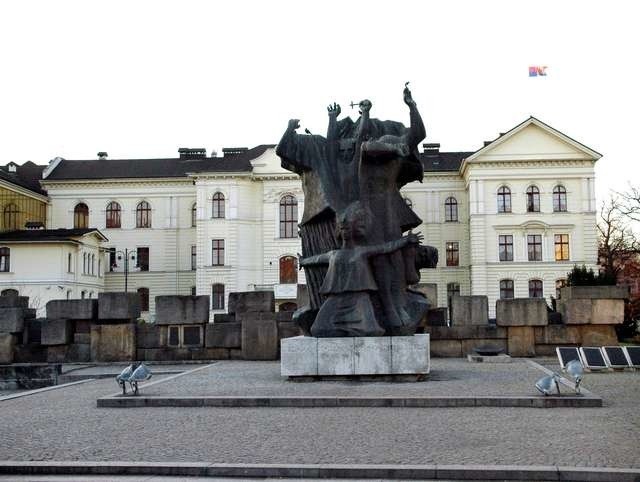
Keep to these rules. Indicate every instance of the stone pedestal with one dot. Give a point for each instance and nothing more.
(112, 343)
(469, 310)
(306, 356)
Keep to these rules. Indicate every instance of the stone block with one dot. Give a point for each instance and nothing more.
(597, 335)
(284, 316)
(72, 309)
(557, 335)
(118, 306)
(11, 320)
(224, 317)
(465, 332)
(288, 329)
(150, 335)
(469, 310)
(57, 353)
(82, 326)
(437, 317)
(14, 302)
(521, 341)
(299, 356)
(29, 313)
(607, 311)
(335, 356)
(410, 354)
(241, 302)
(521, 312)
(430, 290)
(469, 345)
(372, 355)
(302, 296)
(31, 353)
(223, 335)
(33, 331)
(110, 343)
(575, 311)
(254, 316)
(78, 353)
(82, 338)
(594, 292)
(217, 353)
(56, 332)
(7, 345)
(260, 340)
(182, 310)
(446, 348)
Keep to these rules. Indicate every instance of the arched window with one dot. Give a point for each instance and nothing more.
(533, 199)
(217, 206)
(81, 216)
(10, 217)
(143, 293)
(408, 202)
(288, 270)
(288, 217)
(535, 288)
(559, 199)
(506, 289)
(451, 209)
(217, 296)
(194, 215)
(504, 199)
(113, 215)
(143, 215)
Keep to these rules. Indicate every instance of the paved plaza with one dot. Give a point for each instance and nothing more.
(65, 425)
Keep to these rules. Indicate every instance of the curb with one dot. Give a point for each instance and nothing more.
(324, 471)
(344, 402)
(41, 390)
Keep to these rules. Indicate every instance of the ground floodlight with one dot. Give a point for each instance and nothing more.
(140, 374)
(545, 384)
(125, 376)
(575, 371)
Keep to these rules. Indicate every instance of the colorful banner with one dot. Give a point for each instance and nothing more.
(537, 71)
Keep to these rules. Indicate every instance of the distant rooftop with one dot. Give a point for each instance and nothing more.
(26, 175)
(46, 235)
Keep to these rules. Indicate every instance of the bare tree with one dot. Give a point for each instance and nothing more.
(618, 243)
(630, 203)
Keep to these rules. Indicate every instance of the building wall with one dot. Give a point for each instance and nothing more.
(29, 208)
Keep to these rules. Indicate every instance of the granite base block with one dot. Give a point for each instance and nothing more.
(305, 356)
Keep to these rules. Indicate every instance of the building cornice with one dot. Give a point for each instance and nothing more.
(101, 183)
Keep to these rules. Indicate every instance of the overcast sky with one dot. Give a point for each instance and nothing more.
(140, 79)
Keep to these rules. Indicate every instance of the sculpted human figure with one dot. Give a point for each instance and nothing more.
(349, 283)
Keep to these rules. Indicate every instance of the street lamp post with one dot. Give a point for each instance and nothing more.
(128, 254)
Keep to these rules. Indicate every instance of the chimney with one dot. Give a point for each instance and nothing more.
(192, 153)
(431, 149)
(486, 143)
(232, 151)
(102, 155)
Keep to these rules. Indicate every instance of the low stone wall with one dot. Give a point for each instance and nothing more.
(469, 310)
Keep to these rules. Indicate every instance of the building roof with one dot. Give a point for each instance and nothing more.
(47, 235)
(237, 160)
(442, 161)
(27, 175)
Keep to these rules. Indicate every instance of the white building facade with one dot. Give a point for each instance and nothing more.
(509, 220)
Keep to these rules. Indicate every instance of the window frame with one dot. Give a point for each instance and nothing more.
(5, 259)
(113, 215)
(194, 258)
(506, 286)
(532, 247)
(504, 199)
(217, 252)
(293, 279)
(533, 199)
(217, 296)
(559, 199)
(143, 215)
(451, 210)
(141, 249)
(10, 217)
(536, 286)
(144, 294)
(507, 244)
(288, 221)
(561, 241)
(194, 215)
(452, 250)
(80, 216)
(218, 206)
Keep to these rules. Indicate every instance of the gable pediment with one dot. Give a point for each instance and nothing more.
(534, 140)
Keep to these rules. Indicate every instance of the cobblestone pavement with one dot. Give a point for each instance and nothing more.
(449, 377)
(65, 424)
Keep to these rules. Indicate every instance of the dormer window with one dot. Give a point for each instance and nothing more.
(12, 167)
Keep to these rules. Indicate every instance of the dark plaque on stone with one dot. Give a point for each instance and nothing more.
(174, 336)
(191, 336)
(616, 357)
(634, 355)
(593, 358)
(566, 354)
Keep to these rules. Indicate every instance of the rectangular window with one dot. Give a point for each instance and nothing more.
(506, 289)
(142, 258)
(505, 246)
(174, 336)
(217, 297)
(534, 247)
(217, 252)
(561, 242)
(453, 253)
(112, 259)
(193, 291)
(69, 263)
(193, 258)
(5, 264)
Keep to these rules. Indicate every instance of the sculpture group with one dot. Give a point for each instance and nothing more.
(359, 264)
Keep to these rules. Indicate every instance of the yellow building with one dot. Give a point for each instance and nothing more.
(22, 199)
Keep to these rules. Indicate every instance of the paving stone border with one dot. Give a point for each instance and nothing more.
(26, 393)
(325, 471)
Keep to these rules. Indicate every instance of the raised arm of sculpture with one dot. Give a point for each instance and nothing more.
(391, 246)
(287, 148)
(318, 259)
(417, 131)
(333, 111)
